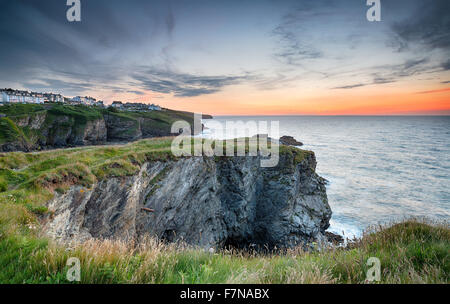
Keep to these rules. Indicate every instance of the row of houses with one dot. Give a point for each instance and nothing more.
(86, 100)
(17, 96)
(135, 107)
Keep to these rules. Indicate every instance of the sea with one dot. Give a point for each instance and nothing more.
(381, 169)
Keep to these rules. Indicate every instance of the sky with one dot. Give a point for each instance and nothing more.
(261, 57)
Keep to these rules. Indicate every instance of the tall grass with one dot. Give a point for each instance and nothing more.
(410, 252)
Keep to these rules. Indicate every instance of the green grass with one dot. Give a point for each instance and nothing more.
(155, 120)
(79, 115)
(9, 132)
(61, 118)
(410, 252)
(25, 171)
(20, 109)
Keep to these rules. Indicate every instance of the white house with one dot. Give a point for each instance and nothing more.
(89, 101)
(5, 97)
(15, 96)
(117, 104)
(154, 107)
(50, 97)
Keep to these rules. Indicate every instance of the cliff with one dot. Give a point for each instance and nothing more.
(203, 201)
(27, 127)
(213, 201)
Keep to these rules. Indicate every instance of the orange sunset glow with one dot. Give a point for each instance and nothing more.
(364, 102)
(266, 59)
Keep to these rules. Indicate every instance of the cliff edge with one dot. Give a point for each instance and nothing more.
(203, 201)
(30, 127)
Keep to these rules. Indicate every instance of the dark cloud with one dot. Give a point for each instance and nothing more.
(293, 42)
(136, 92)
(46, 84)
(446, 65)
(397, 43)
(382, 80)
(184, 85)
(292, 50)
(170, 21)
(392, 73)
(46, 52)
(408, 68)
(428, 26)
(352, 86)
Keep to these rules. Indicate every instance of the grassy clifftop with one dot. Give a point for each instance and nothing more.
(30, 178)
(410, 252)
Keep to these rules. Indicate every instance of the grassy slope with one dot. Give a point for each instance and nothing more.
(9, 131)
(156, 121)
(30, 178)
(79, 116)
(411, 252)
(20, 109)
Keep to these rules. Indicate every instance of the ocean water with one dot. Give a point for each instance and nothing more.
(380, 169)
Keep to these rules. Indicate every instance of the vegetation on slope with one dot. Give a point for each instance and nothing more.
(63, 119)
(156, 122)
(24, 175)
(79, 114)
(18, 109)
(410, 252)
(9, 132)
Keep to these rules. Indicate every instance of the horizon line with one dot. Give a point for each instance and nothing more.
(330, 115)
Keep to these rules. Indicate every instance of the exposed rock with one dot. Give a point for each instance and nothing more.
(150, 129)
(59, 129)
(122, 129)
(290, 141)
(15, 146)
(33, 121)
(207, 202)
(334, 238)
(95, 132)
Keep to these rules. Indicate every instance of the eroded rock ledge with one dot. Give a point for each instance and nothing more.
(206, 202)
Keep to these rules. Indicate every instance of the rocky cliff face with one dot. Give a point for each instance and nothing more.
(49, 129)
(34, 122)
(95, 132)
(63, 132)
(121, 129)
(207, 202)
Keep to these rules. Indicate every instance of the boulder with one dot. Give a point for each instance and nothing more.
(290, 141)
